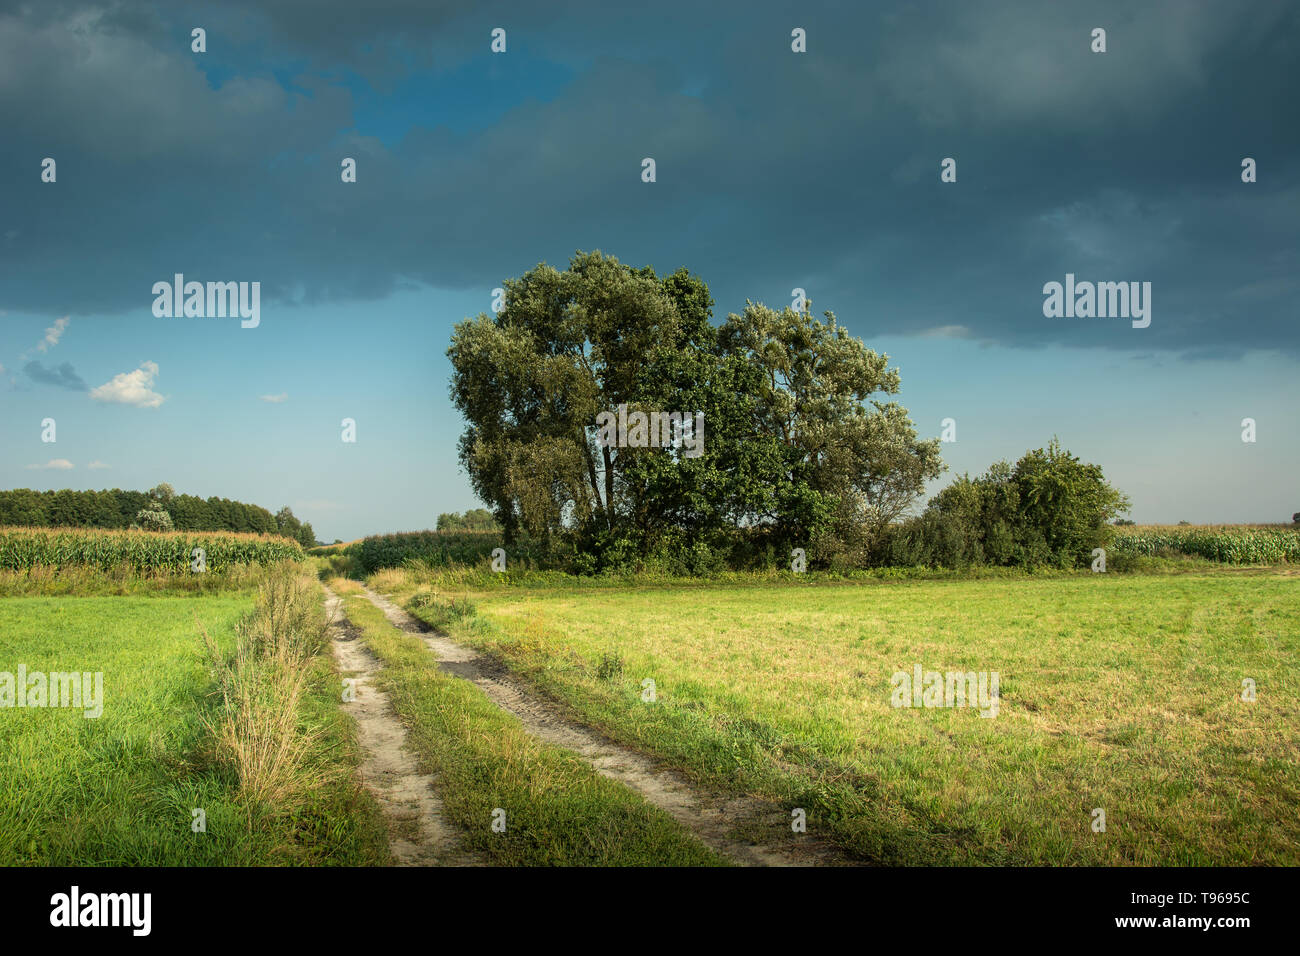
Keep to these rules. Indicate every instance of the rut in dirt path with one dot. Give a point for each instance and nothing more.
(711, 817)
(419, 834)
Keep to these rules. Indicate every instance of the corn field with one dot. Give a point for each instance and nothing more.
(1230, 544)
(144, 552)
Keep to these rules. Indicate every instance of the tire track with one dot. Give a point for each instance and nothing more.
(418, 832)
(711, 817)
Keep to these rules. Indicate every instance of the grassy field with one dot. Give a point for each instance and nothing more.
(1120, 693)
(120, 789)
(559, 811)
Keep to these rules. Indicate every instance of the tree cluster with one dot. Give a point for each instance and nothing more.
(800, 443)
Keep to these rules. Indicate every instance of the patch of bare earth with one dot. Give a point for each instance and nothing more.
(419, 834)
(714, 818)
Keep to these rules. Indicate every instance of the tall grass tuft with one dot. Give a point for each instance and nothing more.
(259, 730)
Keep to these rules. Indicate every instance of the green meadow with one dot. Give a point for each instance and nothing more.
(1118, 693)
(1161, 705)
(122, 788)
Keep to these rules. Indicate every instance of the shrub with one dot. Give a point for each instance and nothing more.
(154, 519)
(438, 549)
(1048, 510)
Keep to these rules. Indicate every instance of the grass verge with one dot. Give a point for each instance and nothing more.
(122, 789)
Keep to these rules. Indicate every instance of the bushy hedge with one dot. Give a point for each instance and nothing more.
(439, 548)
(1048, 510)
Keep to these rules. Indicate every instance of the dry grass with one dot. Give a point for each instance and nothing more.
(259, 730)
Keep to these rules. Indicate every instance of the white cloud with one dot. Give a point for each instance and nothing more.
(275, 399)
(53, 334)
(59, 464)
(131, 388)
(97, 465)
(320, 504)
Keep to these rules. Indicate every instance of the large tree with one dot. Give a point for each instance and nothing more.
(857, 454)
(532, 380)
(787, 443)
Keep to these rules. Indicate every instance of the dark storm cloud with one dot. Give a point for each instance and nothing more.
(774, 169)
(63, 376)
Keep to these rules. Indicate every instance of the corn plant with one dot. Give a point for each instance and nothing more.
(144, 552)
(1229, 544)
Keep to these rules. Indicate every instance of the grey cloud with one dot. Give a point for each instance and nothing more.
(62, 376)
(774, 169)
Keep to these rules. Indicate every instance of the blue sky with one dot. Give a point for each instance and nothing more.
(775, 170)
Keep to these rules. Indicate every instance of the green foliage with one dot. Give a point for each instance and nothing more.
(1067, 502)
(438, 549)
(854, 463)
(23, 507)
(794, 443)
(162, 494)
(287, 526)
(475, 519)
(1050, 509)
(154, 519)
(338, 563)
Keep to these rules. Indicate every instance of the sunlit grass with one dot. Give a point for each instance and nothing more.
(1118, 692)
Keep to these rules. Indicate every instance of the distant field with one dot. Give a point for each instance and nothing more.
(1118, 692)
(120, 789)
(1228, 544)
(24, 550)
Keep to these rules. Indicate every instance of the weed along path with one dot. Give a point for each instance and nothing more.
(419, 835)
(711, 818)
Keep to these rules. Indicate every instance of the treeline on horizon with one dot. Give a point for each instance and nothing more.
(116, 508)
